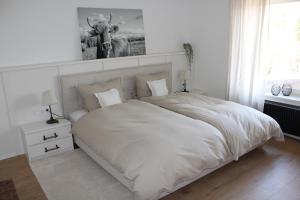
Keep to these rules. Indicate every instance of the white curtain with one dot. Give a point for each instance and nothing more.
(248, 47)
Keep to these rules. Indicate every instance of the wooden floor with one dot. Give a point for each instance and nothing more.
(271, 172)
(26, 184)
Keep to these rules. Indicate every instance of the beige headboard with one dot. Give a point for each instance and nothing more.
(71, 99)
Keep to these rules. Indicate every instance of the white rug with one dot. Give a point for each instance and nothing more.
(75, 176)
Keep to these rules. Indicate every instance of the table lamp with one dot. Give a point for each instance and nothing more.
(48, 99)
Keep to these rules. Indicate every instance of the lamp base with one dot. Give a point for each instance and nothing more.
(52, 121)
(185, 91)
(184, 87)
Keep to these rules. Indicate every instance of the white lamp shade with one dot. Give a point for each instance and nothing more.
(49, 98)
(184, 75)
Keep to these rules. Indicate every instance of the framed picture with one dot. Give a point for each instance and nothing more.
(110, 33)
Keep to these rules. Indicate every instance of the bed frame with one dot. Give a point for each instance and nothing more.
(72, 102)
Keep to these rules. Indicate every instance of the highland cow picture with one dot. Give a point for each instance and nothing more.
(110, 33)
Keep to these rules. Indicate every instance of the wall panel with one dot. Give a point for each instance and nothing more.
(7, 144)
(117, 63)
(88, 66)
(24, 91)
(152, 60)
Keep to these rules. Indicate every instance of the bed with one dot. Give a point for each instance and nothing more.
(150, 150)
(243, 127)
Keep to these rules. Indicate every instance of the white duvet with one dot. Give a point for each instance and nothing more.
(243, 127)
(154, 148)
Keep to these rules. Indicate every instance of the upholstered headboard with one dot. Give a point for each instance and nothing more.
(71, 99)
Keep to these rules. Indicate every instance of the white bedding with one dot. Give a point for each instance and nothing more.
(242, 126)
(154, 148)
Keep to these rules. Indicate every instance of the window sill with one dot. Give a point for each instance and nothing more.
(294, 99)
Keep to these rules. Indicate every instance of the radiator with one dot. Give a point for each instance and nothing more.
(288, 116)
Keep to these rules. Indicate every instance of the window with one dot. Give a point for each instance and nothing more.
(284, 41)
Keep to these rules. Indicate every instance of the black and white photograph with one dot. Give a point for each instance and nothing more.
(110, 33)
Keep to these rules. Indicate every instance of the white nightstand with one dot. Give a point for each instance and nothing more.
(42, 139)
(194, 91)
(198, 91)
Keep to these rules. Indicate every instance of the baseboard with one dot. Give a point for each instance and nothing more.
(292, 136)
(8, 155)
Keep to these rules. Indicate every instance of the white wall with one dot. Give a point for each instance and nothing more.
(35, 31)
(210, 39)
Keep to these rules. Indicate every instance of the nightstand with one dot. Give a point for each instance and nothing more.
(194, 91)
(42, 139)
(198, 91)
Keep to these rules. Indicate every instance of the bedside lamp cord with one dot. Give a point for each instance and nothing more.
(59, 116)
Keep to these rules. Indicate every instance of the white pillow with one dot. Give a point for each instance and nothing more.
(158, 87)
(76, 115)
(109, 97)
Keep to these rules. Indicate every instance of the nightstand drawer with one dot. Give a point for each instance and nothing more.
(48, 135)
(50, 148)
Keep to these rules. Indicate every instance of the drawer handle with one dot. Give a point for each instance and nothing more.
(52, 149)
(50, 137)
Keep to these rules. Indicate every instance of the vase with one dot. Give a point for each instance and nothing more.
(286, 89)
(276, 89)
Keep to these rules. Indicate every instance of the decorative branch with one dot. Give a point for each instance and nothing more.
(189, 53)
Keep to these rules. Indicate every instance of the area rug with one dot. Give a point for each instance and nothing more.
(75, 176)
(8, 190)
